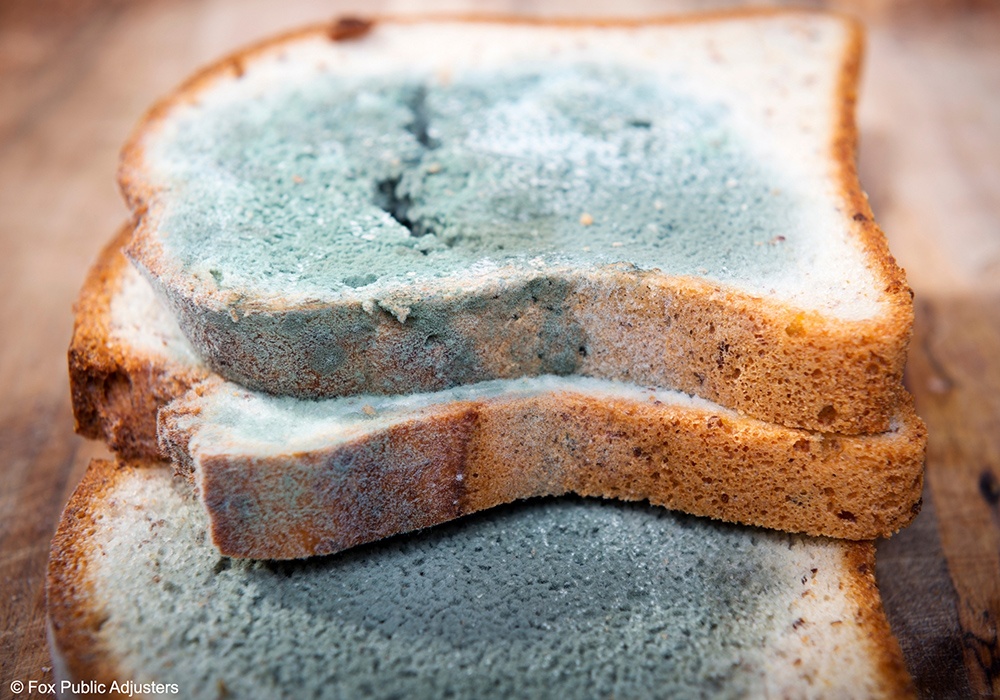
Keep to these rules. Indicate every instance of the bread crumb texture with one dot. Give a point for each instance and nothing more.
(592, 599)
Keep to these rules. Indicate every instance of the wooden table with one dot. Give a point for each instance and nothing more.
(75, 76)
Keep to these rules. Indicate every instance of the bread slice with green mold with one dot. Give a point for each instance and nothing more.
(407, 205)
(285, 477)
(571, 598)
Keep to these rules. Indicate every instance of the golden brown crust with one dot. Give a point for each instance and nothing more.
(90, 332)
(883, 647)
(467, 456)
(796, 369)
(75, 619)
(347, 28)
(898, 320)
(771, 362)
(117, 390)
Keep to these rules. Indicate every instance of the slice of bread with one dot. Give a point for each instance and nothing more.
(412, 204)
(285, 478)
(127, 358)
(507, 439)
(573, 598)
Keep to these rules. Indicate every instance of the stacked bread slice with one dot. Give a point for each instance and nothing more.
(578, 598)
(382, 276)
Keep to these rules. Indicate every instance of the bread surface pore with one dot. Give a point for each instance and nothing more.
(681, 231)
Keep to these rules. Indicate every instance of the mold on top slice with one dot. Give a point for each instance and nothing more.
(320, 174)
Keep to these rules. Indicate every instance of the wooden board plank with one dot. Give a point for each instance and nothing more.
(955, 377)
(43, 461)
(922, 606)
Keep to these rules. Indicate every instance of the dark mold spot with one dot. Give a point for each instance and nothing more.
(224, 564)
(860, 217)
(356, 281)
(418, 127)
(324, 357)
(388, 196)
(286, 569)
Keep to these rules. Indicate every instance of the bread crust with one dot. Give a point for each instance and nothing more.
(117, 390)
(464, 456)
(74, 616)
(883, 647)
(766, 359)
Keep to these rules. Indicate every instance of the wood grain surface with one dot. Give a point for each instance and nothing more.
(955, 361)
(76, 74)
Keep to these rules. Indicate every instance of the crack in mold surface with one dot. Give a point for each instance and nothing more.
(388, 196)
(419, 127)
